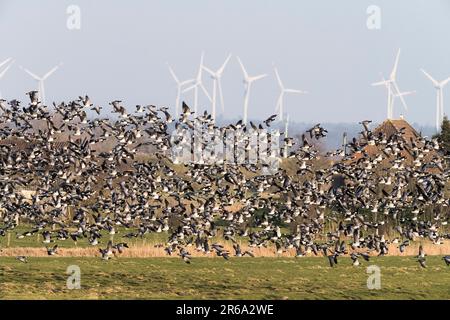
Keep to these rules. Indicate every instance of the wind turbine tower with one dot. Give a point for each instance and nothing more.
(198, 84)
(392, 89)
(438, 85)
(283, 91)
(248, 81)
(180, 85)
(217, 85)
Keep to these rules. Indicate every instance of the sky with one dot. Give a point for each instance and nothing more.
(324, 47)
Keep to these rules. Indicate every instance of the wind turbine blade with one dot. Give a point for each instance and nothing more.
(258, 77)
(202, 56)
(205, 92)
(183, 83)
(31, 73)
(443, 83)
(243, 68)
(5, 62)
(278, 78)
(174, 76)
(200, 68)
(380, 83)
(294, 91)
(400, 96)
(407, 93)
(6, 69)
(209, 71)
(394, 70)
(430, 77)
(189, 88)
(48, 74)
(224, 65)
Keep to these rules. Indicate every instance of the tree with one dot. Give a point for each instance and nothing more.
(444, 136)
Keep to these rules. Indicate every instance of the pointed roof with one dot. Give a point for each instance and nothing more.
(390, 127)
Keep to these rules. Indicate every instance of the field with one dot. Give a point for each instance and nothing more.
(144, 271)
(152, 245)
(215, 278)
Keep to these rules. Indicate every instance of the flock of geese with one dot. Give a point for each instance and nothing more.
(84, 190)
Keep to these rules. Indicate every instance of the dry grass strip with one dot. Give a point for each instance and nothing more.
(149, 250)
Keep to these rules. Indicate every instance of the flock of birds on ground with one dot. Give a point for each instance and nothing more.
(84, 192)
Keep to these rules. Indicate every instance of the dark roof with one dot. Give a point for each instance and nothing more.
(390, 127)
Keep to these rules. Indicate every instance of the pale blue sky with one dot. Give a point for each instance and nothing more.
(323, 47)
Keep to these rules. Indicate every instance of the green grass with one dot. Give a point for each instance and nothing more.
(214, 278)
(35, 240)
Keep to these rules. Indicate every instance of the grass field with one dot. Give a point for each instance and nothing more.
(238, 278)
(145, 247)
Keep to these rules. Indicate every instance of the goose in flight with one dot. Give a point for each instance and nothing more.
(107, 252)
(116, 175)
(185, 255)
(422, 262)
(52, 250)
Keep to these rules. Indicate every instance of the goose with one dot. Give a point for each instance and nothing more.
(107, 252)
(421, 254)
(422, 262)
(22, 259)
(446, 260)
(120, 247)
(355, 261)
(52, 250)
(112, 189)
(332, 260)
(185, 255)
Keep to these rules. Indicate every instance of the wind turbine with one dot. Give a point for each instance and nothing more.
(2, 74)
(198, 84)
(180, 85)
(284, 90)
(439, 98)
(40, 80)
(392, 94)
(392, 88)
(248, 84)
(217, 85)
